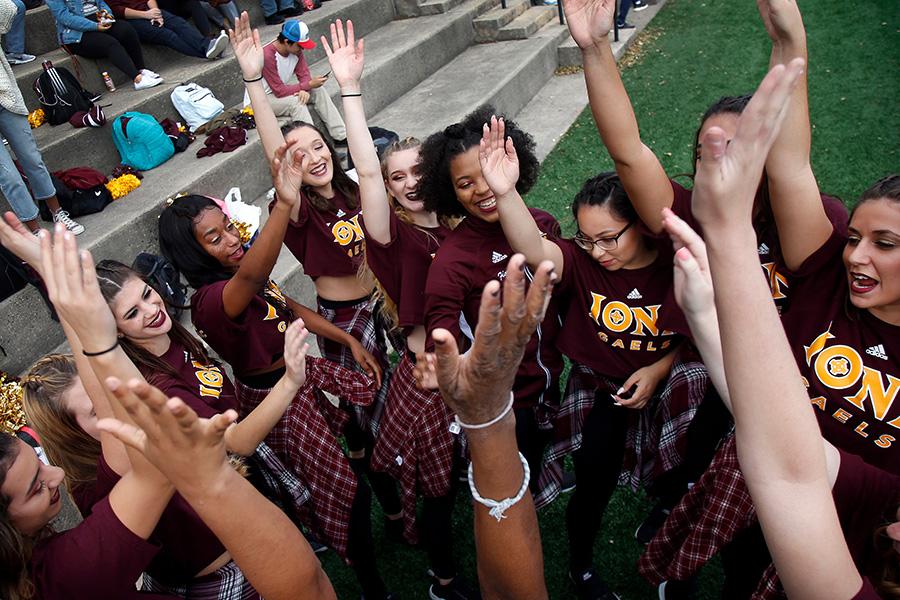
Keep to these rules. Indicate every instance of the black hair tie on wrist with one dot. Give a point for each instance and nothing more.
(253, 80)
(110, 349)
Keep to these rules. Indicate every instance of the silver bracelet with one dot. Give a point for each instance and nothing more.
(496, 419)
(497, 508)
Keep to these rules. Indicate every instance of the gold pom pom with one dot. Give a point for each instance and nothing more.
(36, 118)
(247, 111)
(123, 185)
(245, 230)
(12, 416)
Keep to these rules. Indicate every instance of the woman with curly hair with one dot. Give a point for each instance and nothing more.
(452, 185)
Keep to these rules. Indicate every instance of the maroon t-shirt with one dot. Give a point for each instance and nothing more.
(849, 359)
(253, 341)
(99, 558)
(864, 497)
(617, 322)
(401, 266)
(326, 242)
(473, 254)
(769, 246)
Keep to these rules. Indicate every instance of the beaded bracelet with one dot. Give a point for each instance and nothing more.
(492, 421)
(497, 508)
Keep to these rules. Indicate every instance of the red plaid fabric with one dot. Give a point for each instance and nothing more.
(225, 583)
(359, 321)
(655, 441)
(306, 440)
(702, 523)
(414, 443)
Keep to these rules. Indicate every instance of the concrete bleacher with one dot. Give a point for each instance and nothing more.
(424, 70)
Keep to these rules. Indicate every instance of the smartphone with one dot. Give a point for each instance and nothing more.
(327, 75)
(628, 393)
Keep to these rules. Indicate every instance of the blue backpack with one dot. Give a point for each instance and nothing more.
(141, 141)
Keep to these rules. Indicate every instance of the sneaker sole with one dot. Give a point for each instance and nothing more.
(640, 8)
(218, 48)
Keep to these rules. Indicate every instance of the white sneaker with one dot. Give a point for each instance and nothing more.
(146, 82)
(19, 58)
(217, 46)
(71, 224)
(151, 74)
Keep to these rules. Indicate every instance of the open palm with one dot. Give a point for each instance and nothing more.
(589, 21)
(497, 155)
(345, 54)
(247, 48)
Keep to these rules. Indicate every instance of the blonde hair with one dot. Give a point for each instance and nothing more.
(67, 445)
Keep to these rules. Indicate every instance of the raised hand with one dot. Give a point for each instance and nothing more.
(73, 289)
(498, 158)
(728, 173)
(346, 56)
(476, 385)
(782, 20)
(16, 238)
(693, 282)
(287, 173)
(589, 21)
(190, 451)
(247, 48)
(295, 350)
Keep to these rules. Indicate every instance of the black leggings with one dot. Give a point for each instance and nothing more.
(598, 463)
(189, 9)
(383, 485)
(120, 44)
(361, 546)
(532, 441)
(437, 528)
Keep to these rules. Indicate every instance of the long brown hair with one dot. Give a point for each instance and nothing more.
(340, 181)
(15, 548)
(67, 445)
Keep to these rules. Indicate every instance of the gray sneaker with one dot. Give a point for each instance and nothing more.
(71, 224)
(20, 58)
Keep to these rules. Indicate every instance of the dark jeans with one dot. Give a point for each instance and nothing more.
(120, 44)
(361, 546)
(176, 33)
(189, 9)
(624, 7)
(598, 463)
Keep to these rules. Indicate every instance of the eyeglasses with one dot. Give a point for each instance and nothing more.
(607, 243)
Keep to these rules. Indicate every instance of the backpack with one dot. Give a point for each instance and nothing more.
(179, 139)
(61, 95)
(196, 104)
(165, 279)
(15, 275)
(141, 141)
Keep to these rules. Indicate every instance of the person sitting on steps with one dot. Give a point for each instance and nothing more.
(157, 26)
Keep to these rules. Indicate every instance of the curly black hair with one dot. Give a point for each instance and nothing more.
(435, 186)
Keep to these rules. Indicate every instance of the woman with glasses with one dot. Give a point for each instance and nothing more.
(626, 400)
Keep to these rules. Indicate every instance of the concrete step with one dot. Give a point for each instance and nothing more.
(570, 55)
(527, 24)
(506, 74)
(436, 7)
(400, 54)
(40, 31)
(488, 24)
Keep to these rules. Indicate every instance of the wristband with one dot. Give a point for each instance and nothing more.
(354, 95)
(493, 421)
(253, 80)
(498, 507)
(110, 349)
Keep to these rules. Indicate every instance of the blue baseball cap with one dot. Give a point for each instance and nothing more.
(298, 32)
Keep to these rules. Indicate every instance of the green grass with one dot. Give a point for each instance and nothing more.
(705, 49)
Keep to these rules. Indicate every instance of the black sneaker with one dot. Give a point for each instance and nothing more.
(458, 589)
(647, 530)
(625, 26)
(638, 5)
(589, 586)
(568, 482)
(275, 19)
(677, 590)
(291, 12)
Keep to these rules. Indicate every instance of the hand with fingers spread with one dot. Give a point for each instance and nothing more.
(247, 48)
(693, 282)
(295, 351)
(728, 173)
(287, 173)
(497, 155)
(346, 55)
(589, 21)
(476, 385)
(73, 289)
(16, 238)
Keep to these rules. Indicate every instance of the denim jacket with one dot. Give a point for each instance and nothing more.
(70, 19)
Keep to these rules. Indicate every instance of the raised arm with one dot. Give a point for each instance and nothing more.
(245, 436)
(346, 57)
(644, 178)
(478, 388)
(268, 548)
(779, 444)
(249, 52)
(803, 225)
(256, 266)
(500, 167)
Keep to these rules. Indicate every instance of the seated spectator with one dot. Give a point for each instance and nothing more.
(276, 11)
(191, 9)
(86, 29)
(222, 13)
(15, 129)
(157, 26)
(289, 86)
(14, 39)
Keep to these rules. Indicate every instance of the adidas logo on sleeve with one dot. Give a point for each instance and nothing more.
(763, 248)
(634, 295)
(497, 257)
(877, 351)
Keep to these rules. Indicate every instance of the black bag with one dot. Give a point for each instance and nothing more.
(383, 138)
(77, 202)
(165, 279)
(12, 274)
(60, 94)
